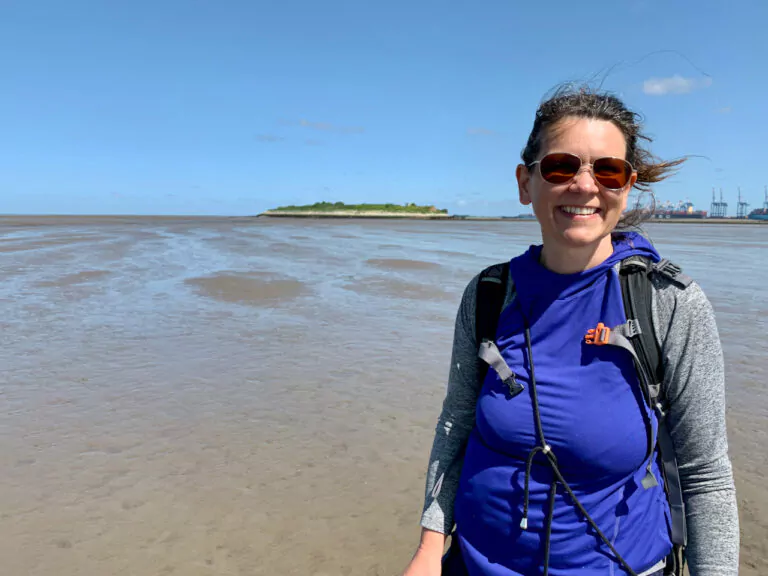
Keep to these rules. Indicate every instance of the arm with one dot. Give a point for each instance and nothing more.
(695, 381)
(455, 423)
(428, 558)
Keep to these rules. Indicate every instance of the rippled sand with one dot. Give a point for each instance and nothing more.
(235, 396)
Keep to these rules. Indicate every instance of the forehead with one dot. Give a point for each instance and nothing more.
(585, 137)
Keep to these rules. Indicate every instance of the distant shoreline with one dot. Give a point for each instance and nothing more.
(705, 221)
(453, 218)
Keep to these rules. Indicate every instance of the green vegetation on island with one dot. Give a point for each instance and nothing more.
(341, 207)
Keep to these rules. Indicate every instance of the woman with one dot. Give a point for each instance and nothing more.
(559, 474)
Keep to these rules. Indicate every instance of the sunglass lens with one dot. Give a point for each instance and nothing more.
(612, 173)
(559, 168)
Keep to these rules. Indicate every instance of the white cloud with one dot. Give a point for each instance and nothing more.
(674, 85)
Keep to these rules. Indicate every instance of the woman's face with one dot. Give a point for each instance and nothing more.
(554, 204)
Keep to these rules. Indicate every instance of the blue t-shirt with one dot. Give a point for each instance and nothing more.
(594, 418)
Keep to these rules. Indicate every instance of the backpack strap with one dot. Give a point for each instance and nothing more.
(491, 291)
(491, 355)
(637, 293)
(636, 275)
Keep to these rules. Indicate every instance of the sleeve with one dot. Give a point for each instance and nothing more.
(455, 422)
(695, 380)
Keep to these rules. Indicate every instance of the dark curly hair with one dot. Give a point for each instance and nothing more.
(583, 102)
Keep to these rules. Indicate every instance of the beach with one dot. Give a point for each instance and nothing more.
(253, 396)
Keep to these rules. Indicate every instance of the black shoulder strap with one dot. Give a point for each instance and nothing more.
(491, 289)
(637, 292)
(636, 275)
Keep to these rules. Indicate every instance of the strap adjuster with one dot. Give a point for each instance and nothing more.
(599, 336)
(632, 328)
(667, 268)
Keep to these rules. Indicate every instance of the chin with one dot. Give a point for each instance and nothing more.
(582, 238)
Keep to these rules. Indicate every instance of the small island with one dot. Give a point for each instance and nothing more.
(341, 210)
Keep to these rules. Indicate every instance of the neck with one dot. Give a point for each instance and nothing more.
(575, 259)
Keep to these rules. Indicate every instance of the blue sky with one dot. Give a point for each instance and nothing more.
(233, 107)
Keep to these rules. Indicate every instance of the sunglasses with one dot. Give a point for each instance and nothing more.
(561, 167)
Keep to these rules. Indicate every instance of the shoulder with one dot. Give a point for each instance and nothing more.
(675, 290)
(679, 302)
(496, 283)
(497, 274)
(492, 288)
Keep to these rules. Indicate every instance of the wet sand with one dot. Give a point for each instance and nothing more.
(242, 396)
(247, 289)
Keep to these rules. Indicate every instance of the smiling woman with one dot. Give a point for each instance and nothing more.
(586, 150)
(610, 456)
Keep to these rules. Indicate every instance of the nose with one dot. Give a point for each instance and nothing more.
(584, 181)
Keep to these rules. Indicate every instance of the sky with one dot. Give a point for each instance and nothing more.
(232, 107)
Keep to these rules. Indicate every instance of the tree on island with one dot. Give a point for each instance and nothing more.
(409, 208)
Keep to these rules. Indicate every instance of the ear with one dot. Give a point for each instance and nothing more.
(625, 195)
(523, 183)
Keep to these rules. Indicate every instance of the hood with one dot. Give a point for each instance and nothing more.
(536, 286)
(626, 244)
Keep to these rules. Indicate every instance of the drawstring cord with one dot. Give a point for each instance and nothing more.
(546, 449)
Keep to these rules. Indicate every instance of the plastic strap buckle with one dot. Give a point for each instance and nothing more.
(599, 336)
(667, 268)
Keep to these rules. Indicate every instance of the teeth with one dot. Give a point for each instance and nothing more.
(579, 210)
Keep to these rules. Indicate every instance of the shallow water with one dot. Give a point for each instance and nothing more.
(236, 396)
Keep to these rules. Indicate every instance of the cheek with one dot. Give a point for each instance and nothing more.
(542, 196)
(617, 203)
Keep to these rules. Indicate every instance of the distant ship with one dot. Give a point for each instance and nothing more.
(760, 213)
(679, 210)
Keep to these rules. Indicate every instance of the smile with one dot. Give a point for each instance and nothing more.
(580, 210)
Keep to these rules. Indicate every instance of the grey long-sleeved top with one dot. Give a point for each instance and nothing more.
(695, 386)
